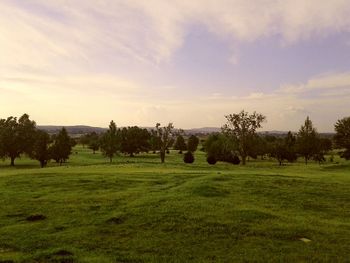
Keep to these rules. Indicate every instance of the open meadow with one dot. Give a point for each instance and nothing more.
(139, 210)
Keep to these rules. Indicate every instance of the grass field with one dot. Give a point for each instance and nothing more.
(138, 210)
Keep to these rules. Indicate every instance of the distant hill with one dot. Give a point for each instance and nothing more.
(84, 129)
(203, 130)
(76, 129)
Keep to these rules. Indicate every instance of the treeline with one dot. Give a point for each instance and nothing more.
(134, 140)
(237, 141)
(22, 137)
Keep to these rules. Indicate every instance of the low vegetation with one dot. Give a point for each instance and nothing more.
(138, 210)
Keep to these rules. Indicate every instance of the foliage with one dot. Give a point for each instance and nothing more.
(188, 157)
(241, 128)
(165, 137)
(16, 137)
(284, 148)
(93, 141)
(154, 141)
(180, 144)
(61, 148)
(307, 140)
(342, 137)
(219, 147)
(40, 150)
(110, 141)
(211, 159)
(134, 140)
(192, 143)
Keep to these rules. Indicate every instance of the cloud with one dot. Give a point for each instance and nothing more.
(67, 56)
(319, 83)
(54, 32)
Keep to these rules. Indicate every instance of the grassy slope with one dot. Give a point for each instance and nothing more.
(137, 210)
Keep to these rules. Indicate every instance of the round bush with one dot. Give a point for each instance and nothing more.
(236, 160)
(211, 160)
(188, 157)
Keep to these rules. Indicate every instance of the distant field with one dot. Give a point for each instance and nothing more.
(138, 210)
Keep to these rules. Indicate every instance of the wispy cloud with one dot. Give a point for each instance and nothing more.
(92, 59)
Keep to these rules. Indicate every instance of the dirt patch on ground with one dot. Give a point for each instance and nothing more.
(116, 220)
(36, 217)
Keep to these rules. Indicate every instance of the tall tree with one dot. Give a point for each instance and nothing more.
(342, 136)
(165, 137)
(61, 149)
(192, 143)
(241, 128)
(307, 140)
(40, 149)
(180, 144)
(110, 141)
(16, 137)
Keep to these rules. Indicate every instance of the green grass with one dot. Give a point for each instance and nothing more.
(138, 210)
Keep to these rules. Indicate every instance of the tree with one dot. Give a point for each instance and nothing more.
(342, 136)
(85, 139)
(192, 143)
(220, 148)
(40, 149)
(165, 137)
(110, 141)
(307, 140)
(16, 137)
(134, 140)
(188, 157)
(154, 141)
(93, 141)
(323, 146)
(279, 150)
(61, 147)
(241, 128)
(290, 142)
(180, 144)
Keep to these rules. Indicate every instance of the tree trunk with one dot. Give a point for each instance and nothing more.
(306, 160)
(244, 160)
(110, 159)
(162, 156)
(13, 161)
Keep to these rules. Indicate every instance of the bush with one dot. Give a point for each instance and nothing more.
(211, 160)
(188, 157)
(236, 160)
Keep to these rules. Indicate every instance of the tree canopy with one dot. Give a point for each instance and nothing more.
(165, 137)
(110, 141)
(241, 128)
(342, 136)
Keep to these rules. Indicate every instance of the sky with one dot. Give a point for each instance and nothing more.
(187, 62)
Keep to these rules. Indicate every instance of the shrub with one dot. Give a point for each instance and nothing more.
(188, 157)
(211, 160)
(236, 160)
